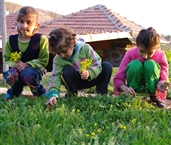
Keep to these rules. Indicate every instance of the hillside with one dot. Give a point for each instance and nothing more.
(12, 7)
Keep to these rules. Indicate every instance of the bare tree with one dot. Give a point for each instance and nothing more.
(3, 31)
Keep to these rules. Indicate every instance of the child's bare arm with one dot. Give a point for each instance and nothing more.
(127, 89)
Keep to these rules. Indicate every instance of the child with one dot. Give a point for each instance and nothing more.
(144, 67)
(74, 39)
(66, 67)
(26, 53)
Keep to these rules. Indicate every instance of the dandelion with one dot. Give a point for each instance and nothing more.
(87, 135)
(81, 117)
(123, 126)
(99, 130)
(93, 134)
(15, 56)
(84, 65)
(133, 121)
(78, 111)
(95, 124)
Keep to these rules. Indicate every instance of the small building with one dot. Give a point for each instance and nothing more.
(109, 33)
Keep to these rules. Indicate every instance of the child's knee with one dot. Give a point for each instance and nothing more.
(29, 76)
(107, 66)
(67, 71)
(135, 65)
(11, 76)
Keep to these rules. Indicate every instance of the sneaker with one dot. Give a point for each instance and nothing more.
(8, 96)
(160, 104)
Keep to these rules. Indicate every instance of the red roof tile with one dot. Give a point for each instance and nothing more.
(93, 20)
(11, 19)
(93, 24)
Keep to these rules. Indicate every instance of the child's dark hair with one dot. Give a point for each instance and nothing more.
(148, 38)
(60, 38)
(27, 10)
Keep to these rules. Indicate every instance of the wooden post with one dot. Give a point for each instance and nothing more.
(3, 31)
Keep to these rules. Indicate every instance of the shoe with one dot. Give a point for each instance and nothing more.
(160, 104)
(8, 96)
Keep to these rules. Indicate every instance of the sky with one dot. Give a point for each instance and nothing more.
(147, 13)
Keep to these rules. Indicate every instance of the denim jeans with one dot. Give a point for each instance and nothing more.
(74, 82)
(28, 77)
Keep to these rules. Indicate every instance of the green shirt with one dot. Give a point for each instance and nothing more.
(40, 62)
(82, 51)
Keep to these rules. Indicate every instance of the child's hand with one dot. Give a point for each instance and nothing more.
(162, 86)
(84, 74)
(21, 66)
(51, 102)
(127, 90)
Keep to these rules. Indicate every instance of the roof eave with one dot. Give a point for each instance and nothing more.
(105, 36)
(164, 42)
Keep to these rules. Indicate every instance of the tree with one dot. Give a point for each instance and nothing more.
(3, 31)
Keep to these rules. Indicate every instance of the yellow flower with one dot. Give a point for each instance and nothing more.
(95, 124)
(81, 117)
(78, 111)
(133, 121)
(87, 135)
(123, 126)
(99, 130)
(166, 82)
(15, 56)
(93, 134)
(84, 65)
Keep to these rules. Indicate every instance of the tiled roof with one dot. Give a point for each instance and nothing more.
(93, 24)
(94, 21)
(11, 19)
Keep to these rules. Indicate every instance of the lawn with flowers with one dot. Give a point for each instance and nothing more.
(80, 120)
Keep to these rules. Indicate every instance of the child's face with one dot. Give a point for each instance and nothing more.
(146, 53)
(26, 25)
(66, 52)
(73, 41)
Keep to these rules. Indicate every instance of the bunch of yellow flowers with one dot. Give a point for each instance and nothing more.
(84, 65)
(15, 56)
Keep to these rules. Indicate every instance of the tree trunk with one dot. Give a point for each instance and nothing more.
(3, 31)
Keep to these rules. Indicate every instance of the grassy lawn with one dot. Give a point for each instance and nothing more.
(99, 120)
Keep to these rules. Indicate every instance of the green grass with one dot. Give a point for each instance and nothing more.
(84, 120)
(99, 120)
